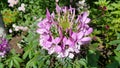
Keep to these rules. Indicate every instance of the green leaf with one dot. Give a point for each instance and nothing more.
(18, 59)
(1, 65)
(94, 46)
(16, 63)
(118, 47)
(11, 64)
(114, 42)
(112, 65)
(117, 53)
(115, 12)
(33, 61)
(117, 59)
(26, 54)
(118, 35)
(83, 62)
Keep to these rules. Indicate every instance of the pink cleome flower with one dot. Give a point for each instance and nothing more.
(62, 34)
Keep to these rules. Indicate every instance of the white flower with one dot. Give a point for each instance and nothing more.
(12, 2)
(14, 25)
(22, 7)
(82, 2)
(25, 29)
(10, 30)
(56, 0)
(17, 28)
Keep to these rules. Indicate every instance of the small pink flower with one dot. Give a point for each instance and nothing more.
(107, 27)
(22, 7)
(10, 30)
(17, 28)
(12, 2)
(57, 0)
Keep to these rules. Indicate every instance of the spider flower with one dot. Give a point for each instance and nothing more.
(63, 33)
(3, 47)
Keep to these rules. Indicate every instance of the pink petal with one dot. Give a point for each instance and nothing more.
(85, 14)
(64, 40)
(42, 23)
(69, 42)
(87, 20)
(46, 44)
(53, 15)
(56, 40)
(65, 9)
(80, 35)
(42, 31)
(86, 39)
(60, 32)
(74, 36)
(89, 31)
(58, 9)
(48, 14)
(58, 49)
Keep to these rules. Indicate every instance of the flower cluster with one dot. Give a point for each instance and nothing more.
(22, 7)
(82, 5)
(64, 33)
(17, 28)
(15, 2)
(3, 47)
(12, 2)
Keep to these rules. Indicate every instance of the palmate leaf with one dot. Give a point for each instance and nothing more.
(82, 63)
(13, 60)
(33, 62)
(16, 63)
(43, 61)
(26, 53)
(76, 64)
(30, 49)
(31, 46)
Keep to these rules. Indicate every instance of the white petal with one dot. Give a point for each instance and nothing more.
(71, 55)
(66, 53)
(51, 50)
